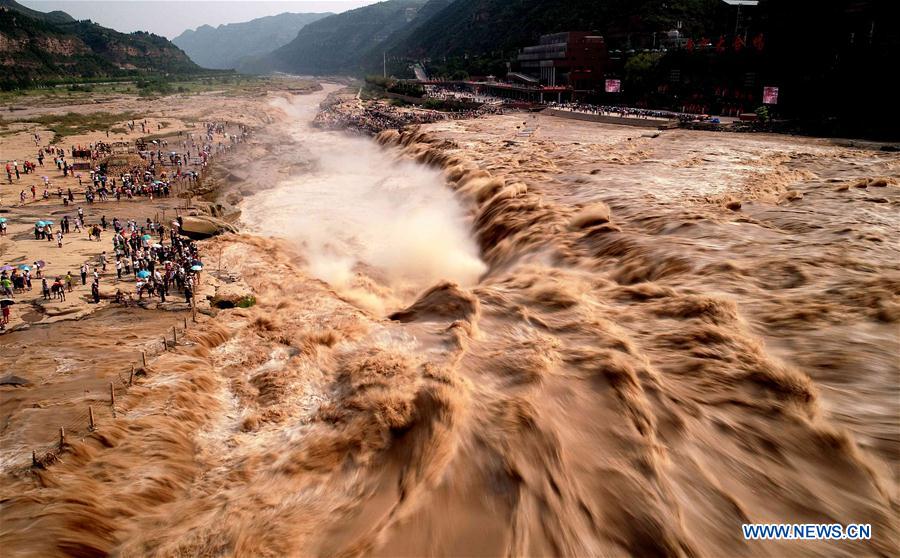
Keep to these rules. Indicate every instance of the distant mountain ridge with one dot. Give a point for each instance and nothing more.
(224, 47)
(356, 41)
(37, 46)
(341, 43)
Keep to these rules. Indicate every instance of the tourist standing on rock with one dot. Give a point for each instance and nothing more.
(188, 292)
(95, 292)
(59, 290)
(84, 272)
(59, 237)
(6, 286)
(69, 281)
(45, 289)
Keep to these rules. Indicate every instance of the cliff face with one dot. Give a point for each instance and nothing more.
(224, 47)
(35, 46)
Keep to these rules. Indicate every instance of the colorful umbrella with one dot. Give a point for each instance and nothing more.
(6, 302)
(196, 267)
(3, 219)
(146, 237)
(40, 263)
(7, 268)
(40, 224)
(24, 267)
(143, 274)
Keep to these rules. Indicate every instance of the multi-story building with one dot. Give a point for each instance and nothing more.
(574, 59)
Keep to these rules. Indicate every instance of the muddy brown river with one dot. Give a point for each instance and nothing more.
(587, 342)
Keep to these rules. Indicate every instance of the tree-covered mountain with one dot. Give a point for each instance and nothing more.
(49, 17)
(340, 43)
(224, 46)
(477, 27)
(35, 46)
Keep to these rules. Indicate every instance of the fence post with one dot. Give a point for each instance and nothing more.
(131, 376)
(62, 437)
(34, 460)
(90, 418)
(174, 336)
(144, 358)
(112, 399)
(165, 345)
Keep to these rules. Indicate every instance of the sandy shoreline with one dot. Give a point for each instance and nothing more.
(38, 344)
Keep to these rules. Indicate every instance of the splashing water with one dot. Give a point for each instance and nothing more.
(360, 206)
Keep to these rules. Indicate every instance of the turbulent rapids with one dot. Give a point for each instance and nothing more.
(586, 343)
(356, 207)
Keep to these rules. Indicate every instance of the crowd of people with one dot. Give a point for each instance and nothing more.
(372, 118)
(155, 256)
(159, 258)
(157, 173)
(631, 112)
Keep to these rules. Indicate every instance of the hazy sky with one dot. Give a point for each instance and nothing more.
(170, 17)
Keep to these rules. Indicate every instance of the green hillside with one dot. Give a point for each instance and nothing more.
(36, 47)
(477, 27)
(339, 43)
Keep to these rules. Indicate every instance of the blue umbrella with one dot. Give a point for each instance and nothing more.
(48, 221)
(24, 267)
(3, 219)
(143, 274)
(146, 237)
(40, 224)
(196, 267)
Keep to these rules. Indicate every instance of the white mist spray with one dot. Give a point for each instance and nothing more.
(361, 206)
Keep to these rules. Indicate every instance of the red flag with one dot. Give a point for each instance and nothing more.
(689, 45)
(759, 42)
(739, 43)
(720, 45)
